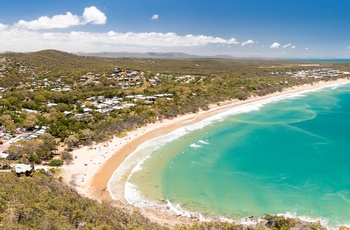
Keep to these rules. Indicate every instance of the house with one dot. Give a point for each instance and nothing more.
(117, 70)
(129, 105)
(84, 78)
(100, 98)
(109, 102)
(66, 89)
(117, 107)
(4, 155)
(134, 73)
(130, 97)
(91, 99)
(67, 113)
(51, 105)
(87, 110)
(30, 111)
(20, 169)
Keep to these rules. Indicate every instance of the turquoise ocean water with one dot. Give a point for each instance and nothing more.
(290, 156)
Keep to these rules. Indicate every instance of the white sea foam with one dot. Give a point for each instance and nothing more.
(132, 192)
(133, 197)
(138, 167)
(194, 145)
(203, 142)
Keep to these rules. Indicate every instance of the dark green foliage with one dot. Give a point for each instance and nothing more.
(283, 223)
(56, 162)
(278, 222)
(42, 202)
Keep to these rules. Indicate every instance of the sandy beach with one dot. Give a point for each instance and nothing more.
(93, 166)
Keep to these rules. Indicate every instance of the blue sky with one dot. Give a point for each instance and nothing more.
(241, 28)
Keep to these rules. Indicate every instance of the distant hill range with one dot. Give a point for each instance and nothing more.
(160, 55)
(153, 55)
(60, 55)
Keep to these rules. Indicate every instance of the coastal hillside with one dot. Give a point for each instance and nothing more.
(42, 202)
(60, 63)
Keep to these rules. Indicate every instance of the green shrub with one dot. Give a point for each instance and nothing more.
(34, 159)
(56, 162)
(67, 157)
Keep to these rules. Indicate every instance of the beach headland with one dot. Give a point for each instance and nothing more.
(93, 166)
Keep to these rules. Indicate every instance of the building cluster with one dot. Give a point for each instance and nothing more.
(102, 104)
(124, 79)
(313, 73)
(317, 73)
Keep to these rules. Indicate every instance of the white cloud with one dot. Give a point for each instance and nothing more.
(27, 36)
(91, 15)
(94, 16)
(3, 27)
(44, 22)
(275, 45)
(232, 41)
(287, 45)
(307, 48)
(167, 39)
(155, 17)
(23, 40)
(248, 42)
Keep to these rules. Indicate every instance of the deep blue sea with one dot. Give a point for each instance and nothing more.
(290, 155)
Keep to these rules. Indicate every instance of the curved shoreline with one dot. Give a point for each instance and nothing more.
(96, 181)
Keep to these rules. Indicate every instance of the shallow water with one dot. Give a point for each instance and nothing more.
(288, 156)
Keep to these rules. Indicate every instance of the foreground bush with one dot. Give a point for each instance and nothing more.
(56, 162)
(42, 202)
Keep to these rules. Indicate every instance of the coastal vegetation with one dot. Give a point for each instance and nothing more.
(80, 100)
(52, 102)
(42, 202)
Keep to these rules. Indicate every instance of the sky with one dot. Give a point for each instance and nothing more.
(239, 28)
